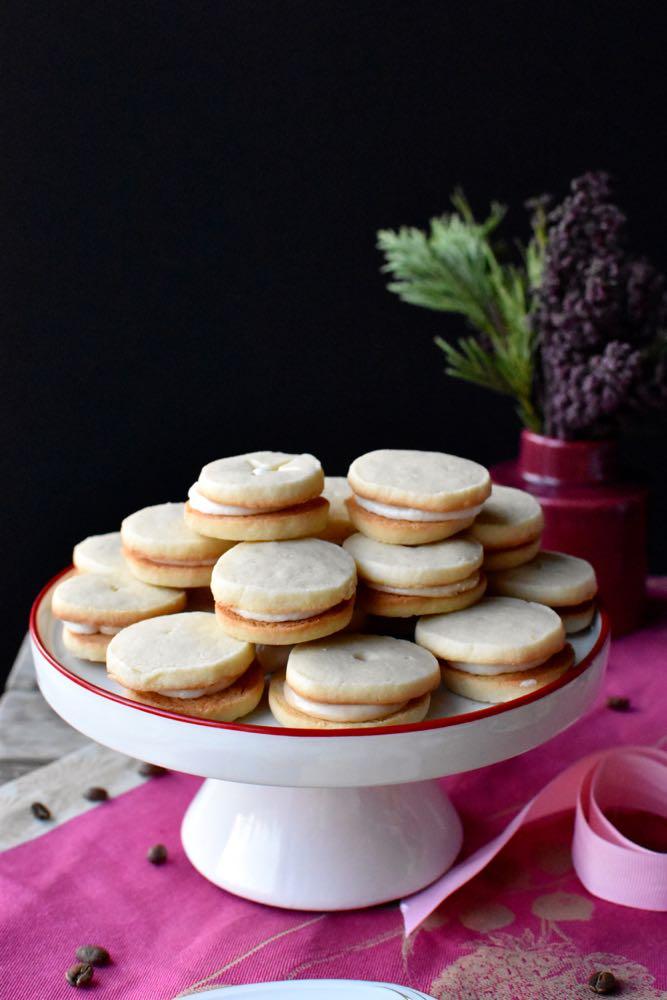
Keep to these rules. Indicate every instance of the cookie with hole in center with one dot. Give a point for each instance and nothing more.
(399, 581)
(562, 582)
(259, 496)
(94, 607)
(414, 497)
(280, 593)
(498, 649)
(185, 663)
(161, 549)
(351, 680)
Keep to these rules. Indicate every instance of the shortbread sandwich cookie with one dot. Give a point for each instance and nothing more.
(415, 497)
(185, 663)
(280, 593)
(93, 607)
(261, 496)
(509, 526)
(100, 554)
(398, 581)
(339, 526)
(161, 549)
(565, 583)
(354, 680)
(498, 649)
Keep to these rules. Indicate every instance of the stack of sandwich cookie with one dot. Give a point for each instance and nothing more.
(565, 583)
(100, 554)
(509, 526)
(185, 663)
(499, 649)
(94, 607)
(398, 581)
(354, 681)
(415, 497)
(339, 526)
(280, 593)
(161, 549)
(261, 496)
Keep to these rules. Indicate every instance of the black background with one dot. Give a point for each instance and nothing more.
(190, 199)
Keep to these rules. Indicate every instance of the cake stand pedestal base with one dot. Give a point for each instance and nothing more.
(321, 848)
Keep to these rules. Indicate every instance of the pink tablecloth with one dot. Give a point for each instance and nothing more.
(524, 928)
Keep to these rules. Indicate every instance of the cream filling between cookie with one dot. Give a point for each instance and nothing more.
(198, 692)
(338, 713)
(446, 590)
(80, 628)
(414, 513)
(285, 616)
(491, 669)
(205, 506)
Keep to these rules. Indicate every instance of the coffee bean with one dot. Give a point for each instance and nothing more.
(93, 954)
(40, 811)
(151, 770)
(80, 974)
(157, 854)
(96, 794)
(603, 982)
(618, 704)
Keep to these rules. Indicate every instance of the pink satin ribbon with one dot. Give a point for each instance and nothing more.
(609, 865)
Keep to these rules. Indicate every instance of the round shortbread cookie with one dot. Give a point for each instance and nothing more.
(497, 559)
(497, 630)
(339, 526)
(177, 653)
(241, 698)
(551, 578)
(160, 532)
(415, 711)
(86, 647)
(577, 618)
(409, 566)
(396, 531)
(160, 548)
(426, 480)
(300, 521)
(386, 605)
(508, 518)
(362, 669)
(100, 554)
(112, 600)
(285, 633)
(505, 687)
(262, 480)
(303, 575)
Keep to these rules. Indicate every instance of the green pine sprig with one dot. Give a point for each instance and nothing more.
(454, 268)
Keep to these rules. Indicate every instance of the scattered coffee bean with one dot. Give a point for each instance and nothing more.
(618, 704)
(96, 794)
(603, 982)
(157, 854)
(93, 954)
(80, 974)
(40, 811)
(151, 770)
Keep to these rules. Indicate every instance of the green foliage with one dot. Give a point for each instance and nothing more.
(454, 267)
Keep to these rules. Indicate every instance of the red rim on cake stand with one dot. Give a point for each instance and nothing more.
(316, 819)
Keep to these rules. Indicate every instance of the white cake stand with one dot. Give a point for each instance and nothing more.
(308, 819)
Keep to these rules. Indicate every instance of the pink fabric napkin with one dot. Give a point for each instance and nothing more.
(524, 927)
